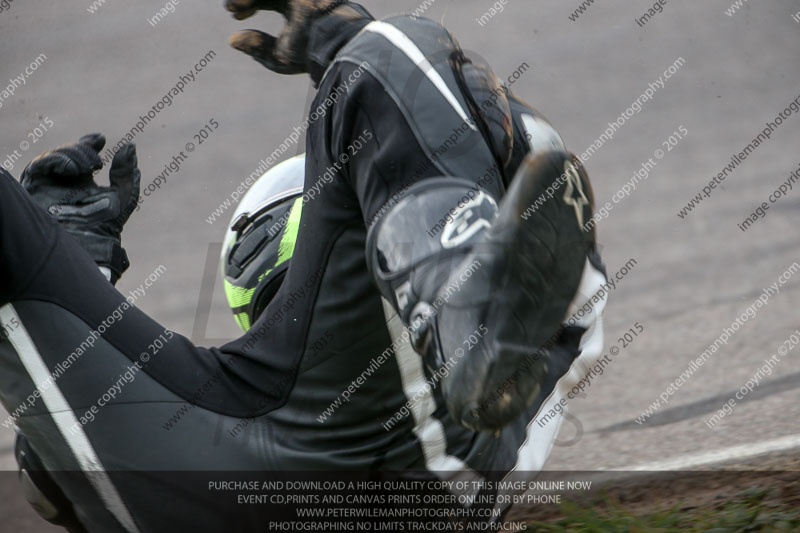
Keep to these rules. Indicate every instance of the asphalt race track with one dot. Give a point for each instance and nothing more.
(711, 82)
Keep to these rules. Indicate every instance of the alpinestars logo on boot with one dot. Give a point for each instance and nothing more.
(574, 194)
(469, 218)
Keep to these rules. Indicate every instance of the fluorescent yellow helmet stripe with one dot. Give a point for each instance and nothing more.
(243, 319)
(241, 297)
(289, 238)
(238, 296)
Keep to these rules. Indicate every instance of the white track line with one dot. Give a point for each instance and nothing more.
(720, 455)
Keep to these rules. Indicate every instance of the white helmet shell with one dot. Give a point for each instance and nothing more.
(275, 185)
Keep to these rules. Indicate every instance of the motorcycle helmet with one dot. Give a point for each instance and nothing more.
(260, 240)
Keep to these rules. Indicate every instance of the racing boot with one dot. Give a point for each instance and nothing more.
(485, 298)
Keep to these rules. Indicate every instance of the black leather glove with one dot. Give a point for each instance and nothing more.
(314, 32)
(61, 182)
